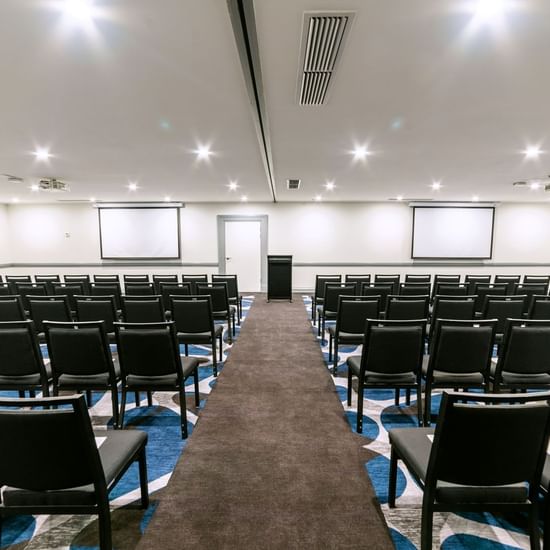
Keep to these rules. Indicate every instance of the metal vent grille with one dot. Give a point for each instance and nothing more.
(323, 37)
(293, 184)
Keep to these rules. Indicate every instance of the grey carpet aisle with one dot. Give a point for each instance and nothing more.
(272, 462)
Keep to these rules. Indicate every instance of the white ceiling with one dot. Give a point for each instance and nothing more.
(433, 98)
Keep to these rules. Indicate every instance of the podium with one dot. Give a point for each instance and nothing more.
(279, 278)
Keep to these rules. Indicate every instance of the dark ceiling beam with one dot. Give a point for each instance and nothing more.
(244, 28)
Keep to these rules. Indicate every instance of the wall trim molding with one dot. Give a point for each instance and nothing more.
(421, 264)
(114, 264)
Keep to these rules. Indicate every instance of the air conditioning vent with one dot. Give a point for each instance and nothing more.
(52, 184)
(293, 184)
(519, 184)
(13, 179)
(323, 37)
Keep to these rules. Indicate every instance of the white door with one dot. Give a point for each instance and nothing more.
(243, 253)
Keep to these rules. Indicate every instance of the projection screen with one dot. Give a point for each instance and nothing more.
(452, 232)
(139, 233)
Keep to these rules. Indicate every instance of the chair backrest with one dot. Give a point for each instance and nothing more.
(529, 290)
(353, 312)
(158, 279)
(84, 279)
(19, 350)
(444, 279)
(148, 349)
(218, 294)
(194, 279)
(452, 307)
(393, 279)
(333, 291)
(70, 290)
(408, 307)
(139, 289)
(378, 289)
(483, 289)
(393, 347)
(450, 289)
(97, 308)
(352, 278)
(135, 278)
(49, 449)
(418, 278)
(106, 289)
(192, 314)
(231, 282)
(11, 308)
(480, 445)
(539, 308)
(414, 289)
(508, 280)
(30, 289)
(502, 308)
(106, 279)
(320, 281)
(537, 279)
(5, 289)
(173, 289)
(471, 280)
(47, 279)
(143, 309)
(49, 308)
(461, 346)
(78, 349)
(12, 280)
(525, 348)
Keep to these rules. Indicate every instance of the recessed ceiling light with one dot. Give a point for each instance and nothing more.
(488, 10)
(35, 187)
(318, 198)
(436, 185)
(92, 199)
(532, 152)
(329, 186)
(133, 186)
(244, 198)
(78, 11)
(475, 198)
(42, 154)
(534, 185)
(233, 185)
(15, 199)
(167, 198)
(203, 152)
(360, 152)
(399, 197)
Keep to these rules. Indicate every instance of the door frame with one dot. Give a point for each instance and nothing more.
(262, 218)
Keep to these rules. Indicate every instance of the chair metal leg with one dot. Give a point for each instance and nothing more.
(122, 408)
(89, 397)
(350, 382)
(330, 347)
(196, 383)
(233, 321)
(143, 484)
(105, 541)
(360, 391)
(335, 363)
(21, 394)
(149, 399)
(214, 360)
(186, 347)
(426, 524)
(397, 396)
(32, 393)
(221, 347)
(418, 402)
(114, 401)
(137, 399)
(393, 479)
(183, 413)
(428, 405)
(533, 521)
(408, 397)
(318, 323)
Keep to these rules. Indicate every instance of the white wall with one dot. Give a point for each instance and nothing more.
(5, 249)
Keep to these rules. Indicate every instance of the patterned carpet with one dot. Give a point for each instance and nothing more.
(164, 447)
(477, 531)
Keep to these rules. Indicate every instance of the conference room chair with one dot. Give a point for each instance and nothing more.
(444, 279)
(442, 288)
(502, 308)
(5, 289)
(524, 359)
(509, 280)
(460, 357)
(319, 292)
(529, 290)
(29, 289)
(150, 361)
(391, 358)
(471, 280)
(135, 278)
(107, 289)
(167, 290)
(414, 289)
(158, 279)
(539, 308)
(195, 325)
(451, 307)
(418, 278)
(235, 299)
(393, 279)
(536, 280)
(378, 289)
(143, 309)
(47, 279)
(98, 308)
(407, 307)
(48, 308)
(360, 279)
(106, 279)
(11, 308)
(194, 279)
(328, 310)
(486, 454)
(58, 467)
(353, 312)
(139, 289)
(21, 365)
(70, 290)
(12, 280)
(221, 308)
(80, 359)
(84, 279)
(485, 289)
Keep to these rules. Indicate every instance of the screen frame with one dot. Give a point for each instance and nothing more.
(490, 257)
(145, 258)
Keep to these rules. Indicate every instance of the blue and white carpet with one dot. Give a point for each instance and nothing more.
(475, 531)
(164, 447)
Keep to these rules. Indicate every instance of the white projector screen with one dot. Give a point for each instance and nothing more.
(452, 232)
(139, 232)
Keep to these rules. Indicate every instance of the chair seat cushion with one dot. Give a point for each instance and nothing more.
(380, 378)
(188, 365)
(11, 382)
(83, 381)
(512, 378)
(455, 379)
(118, 447)
(199, 337)
(346, 337)
(146, 383)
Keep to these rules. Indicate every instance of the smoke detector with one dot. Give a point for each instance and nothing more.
(53, 184)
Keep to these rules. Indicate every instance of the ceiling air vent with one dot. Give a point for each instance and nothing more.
(323, 37)
(53, 184)
(293, 184)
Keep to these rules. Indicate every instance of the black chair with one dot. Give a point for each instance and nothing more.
(107, 289)
(524, 358)
(328, 311)
(106, 279)
(391, 358)
(378, 289)
(143, 309)
(84, 279)
(508, 280)
(11, 309)
(98, 308)
(135, 278)
(47, 279)
(529, 290)
(353, 311)
(450, 289)
(471, 280)
(484, 289)
(158, 279)
(12, 280)
(195, 324)
(21, 365)
(407, 307)
(70, 290)
(460, 357)
(51, 463)
(393, 280)
(235, 299)
(139, 289)
(5, 289)
(536, 280)
(319, 292)
(502, 308)
(360, 279)
(29, 289)
(48, 308)
(221, 309)
(418, 279)
(444, 279)
(167, 290)
(483, 458)
(194, 279)
(415, 289)
(150, 361)
(81, 360)
(539, 308)
(451, 307)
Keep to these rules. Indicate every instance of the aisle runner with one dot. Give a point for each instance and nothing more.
(451, 531)
(164, 447)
